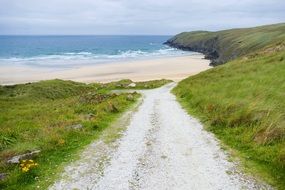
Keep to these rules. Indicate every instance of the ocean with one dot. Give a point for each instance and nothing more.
(73, 51)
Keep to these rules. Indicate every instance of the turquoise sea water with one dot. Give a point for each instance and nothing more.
(69, 51)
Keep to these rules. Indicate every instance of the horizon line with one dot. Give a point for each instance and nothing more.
(87, 34)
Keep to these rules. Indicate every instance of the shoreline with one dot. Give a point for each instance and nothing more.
(174, 68)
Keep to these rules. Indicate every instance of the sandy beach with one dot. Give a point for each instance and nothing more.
(175, 68)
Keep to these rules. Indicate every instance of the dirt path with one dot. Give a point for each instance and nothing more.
(161, 148)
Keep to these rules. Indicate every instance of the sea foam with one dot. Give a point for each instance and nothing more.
(69, 59)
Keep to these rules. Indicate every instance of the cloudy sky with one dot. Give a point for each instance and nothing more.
(134, 16)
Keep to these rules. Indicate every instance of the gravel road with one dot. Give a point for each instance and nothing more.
(161, 148)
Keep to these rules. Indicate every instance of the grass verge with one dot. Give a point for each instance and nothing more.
(243, 102)
(58, 118)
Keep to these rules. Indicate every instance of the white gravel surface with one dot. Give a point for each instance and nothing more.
(162, 148)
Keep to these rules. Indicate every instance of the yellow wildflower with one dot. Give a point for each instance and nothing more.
(26, 165)
(25, 169)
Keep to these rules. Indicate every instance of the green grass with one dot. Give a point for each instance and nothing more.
(38, 116)
(230, 44)
(124, 84)
(243, 103)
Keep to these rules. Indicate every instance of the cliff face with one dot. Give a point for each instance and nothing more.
(226, 45)
(209, 47)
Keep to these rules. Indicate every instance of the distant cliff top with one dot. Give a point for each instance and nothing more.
(225, 45)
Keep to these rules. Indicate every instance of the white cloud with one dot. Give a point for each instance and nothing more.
(134, 16)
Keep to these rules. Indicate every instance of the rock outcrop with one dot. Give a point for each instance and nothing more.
(29, 155)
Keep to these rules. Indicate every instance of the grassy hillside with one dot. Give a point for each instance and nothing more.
(243, 103)
(58, 118)
(226, 45)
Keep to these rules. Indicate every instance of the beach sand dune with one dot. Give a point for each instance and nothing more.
(175, 68)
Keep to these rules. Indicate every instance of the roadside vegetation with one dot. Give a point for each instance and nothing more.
(243, 103)
(129, 84)
(50, 121)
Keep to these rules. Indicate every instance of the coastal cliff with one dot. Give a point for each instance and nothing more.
(226, 45)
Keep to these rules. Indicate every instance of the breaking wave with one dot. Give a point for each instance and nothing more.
(83, 58)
